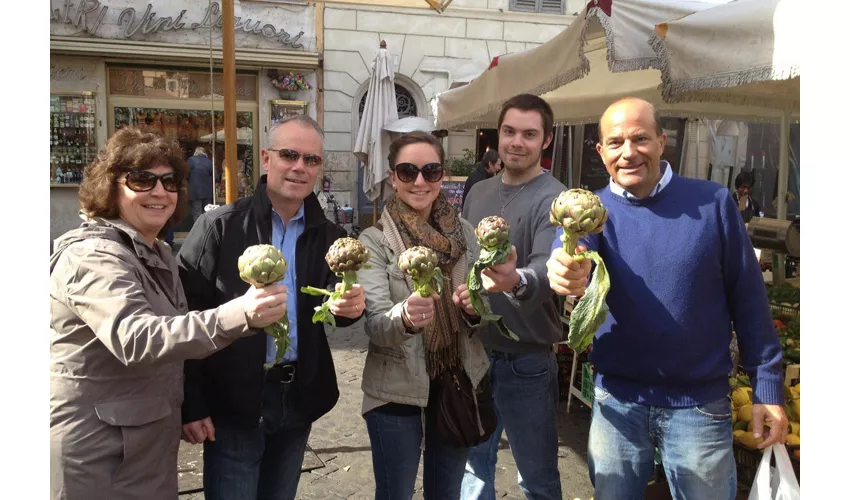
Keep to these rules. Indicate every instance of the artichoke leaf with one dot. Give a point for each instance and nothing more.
(309, 290)
(591, 311)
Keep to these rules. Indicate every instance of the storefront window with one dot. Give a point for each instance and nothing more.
(193, 128)
(177, 84)
(73, 141)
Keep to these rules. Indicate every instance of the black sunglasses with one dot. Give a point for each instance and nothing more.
(292, 156)
(408, 172)
(141, 181)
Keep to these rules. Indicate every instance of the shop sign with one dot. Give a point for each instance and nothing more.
(67, 73)
(88, 15)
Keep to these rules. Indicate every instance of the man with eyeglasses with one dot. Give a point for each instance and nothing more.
(254, 423)
(524, 373)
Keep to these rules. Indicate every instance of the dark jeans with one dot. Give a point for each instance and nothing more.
(258, 463)
(525, 391)
(197, 207)
(396, 441)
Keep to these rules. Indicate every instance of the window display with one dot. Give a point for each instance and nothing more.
(73, 139)
(193, 128)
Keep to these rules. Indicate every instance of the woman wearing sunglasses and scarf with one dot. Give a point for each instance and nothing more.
(414, 340)
(120, 328)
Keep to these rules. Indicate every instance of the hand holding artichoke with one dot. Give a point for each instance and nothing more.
(345, 257)
(494, 238)
(421, 264)
(262, 265)
(580, 212)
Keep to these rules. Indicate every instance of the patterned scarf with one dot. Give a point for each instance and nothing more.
(443, 234)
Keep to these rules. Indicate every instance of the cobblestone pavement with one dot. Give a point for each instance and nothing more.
(340, 440)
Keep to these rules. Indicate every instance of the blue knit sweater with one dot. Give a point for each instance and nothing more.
(683, 272)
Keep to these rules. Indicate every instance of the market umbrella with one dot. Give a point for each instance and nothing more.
(244, 136)
(410, 124)
(747, 53)
(621, 30)
(372, 143)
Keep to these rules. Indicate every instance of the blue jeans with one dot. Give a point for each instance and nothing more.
(396, 441)
(525, 393)
(258, 463)
(695, 445)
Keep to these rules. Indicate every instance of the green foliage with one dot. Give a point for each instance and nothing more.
(463, 166)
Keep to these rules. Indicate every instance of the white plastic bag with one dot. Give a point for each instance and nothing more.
(777, 483)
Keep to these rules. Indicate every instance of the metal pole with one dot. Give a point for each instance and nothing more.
(229, 58)
(781, 202)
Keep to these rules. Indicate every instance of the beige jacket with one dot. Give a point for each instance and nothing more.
(395, 363)
(119, 333)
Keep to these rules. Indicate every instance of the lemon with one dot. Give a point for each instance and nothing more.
(750, 441)
(794, 428)
(792, 439)
(741, 396)
(745, 413)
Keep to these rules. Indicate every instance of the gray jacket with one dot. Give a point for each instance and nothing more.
(395, 363)
(119, 332)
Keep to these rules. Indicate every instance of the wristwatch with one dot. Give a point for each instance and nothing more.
(520, 286)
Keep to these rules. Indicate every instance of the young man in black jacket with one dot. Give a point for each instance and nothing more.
(254, 423)
(489, 166)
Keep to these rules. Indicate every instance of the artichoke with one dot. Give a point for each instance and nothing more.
(421, 264)
(492, 233)
(580, 213)
(262, 265)
(345, 257)
(494, 238)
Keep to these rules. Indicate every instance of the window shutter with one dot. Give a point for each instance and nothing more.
(523, 5)
(551, 6)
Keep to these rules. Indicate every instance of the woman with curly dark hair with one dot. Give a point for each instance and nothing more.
(120, 328)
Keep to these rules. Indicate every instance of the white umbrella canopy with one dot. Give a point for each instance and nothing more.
(627, 26)
(745, 52)
(244, 135)
(410, 124)
(372, 143)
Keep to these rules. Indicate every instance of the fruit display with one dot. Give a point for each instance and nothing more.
(262, 265)
(580, 213)
(789, 338)
(742, 414)
(345, 257)
(493, 235)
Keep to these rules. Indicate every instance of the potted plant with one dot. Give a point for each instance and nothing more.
(464, 165)
(288, 85)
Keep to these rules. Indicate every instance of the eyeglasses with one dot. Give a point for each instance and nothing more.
(142, 181)
(292, 156)
(408, 172)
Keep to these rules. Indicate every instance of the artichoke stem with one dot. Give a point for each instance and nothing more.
(570, 242)
(349, 278)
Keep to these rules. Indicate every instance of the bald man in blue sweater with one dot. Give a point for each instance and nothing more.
(683, 276)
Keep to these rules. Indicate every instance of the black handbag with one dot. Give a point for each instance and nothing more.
(465, 416)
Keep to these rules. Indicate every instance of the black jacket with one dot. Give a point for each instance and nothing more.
(479, 175)
(228, 385)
